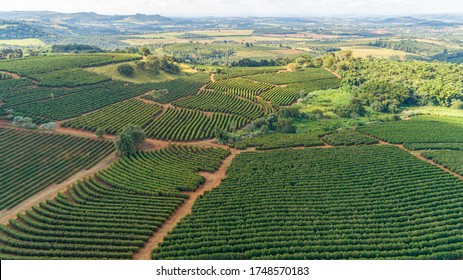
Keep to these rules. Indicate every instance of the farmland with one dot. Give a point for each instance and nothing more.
(31, 161)
(82, 101)
(104, 220)
(316, 206)
(189, 125)
(348, 138)
(241, 140)
(178, 88)
(216, 101)
(445, 130)
(115, 117)
(279, 140)
(453, 160)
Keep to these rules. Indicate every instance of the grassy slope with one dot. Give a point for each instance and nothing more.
(138, 77)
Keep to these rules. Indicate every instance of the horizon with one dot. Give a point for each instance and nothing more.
(240, 8)
(244, 16)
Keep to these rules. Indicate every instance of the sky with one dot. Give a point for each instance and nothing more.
(182, 8)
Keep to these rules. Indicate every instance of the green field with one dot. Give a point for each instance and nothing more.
(420, 129)
(113, 217)
(31, 162)
(343, 203)
(453, 160)
(116, 117)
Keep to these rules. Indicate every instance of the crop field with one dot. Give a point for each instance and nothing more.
(178, 88)
(312, 204)
(151, 172)
(30, 162)
(63, 70)
(241, 87)
(453, 160)
(109, 220)
(348, 138)
(190, 125)
(227, 73)
(434, 146)
(279, 140)
(99, 222)
(68, 78)
(43, 64)
(299, 76)
(282, 96)
(82, 101)
(417, 130)
(216, 101)
(115, 117)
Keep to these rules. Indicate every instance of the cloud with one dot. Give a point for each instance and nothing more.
(242, 8)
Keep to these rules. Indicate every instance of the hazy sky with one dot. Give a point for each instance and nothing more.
(241, 7)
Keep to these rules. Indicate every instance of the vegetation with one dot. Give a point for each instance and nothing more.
(113, 118)
(299, 76)
(241, 87)
(175, 89)
(150, 173)
(383, 213)
(418, 130)
(125, 70)
(80, 101)
(283, 96)
(385, 85)
(129, 140)
(279, 140)
(62, 70)
(348, 138)
(433, 146)
(85, 225)
(453, 160)
(216, 101)
(33, 161)
(75, 48)
(233, 72)
(5, 76)
(190, 125)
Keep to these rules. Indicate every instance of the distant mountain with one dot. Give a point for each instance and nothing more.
(414, 21)
(87, 24)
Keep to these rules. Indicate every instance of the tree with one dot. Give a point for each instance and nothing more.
(352, 110)
(129, 140)
(290, 112)
(24, 122)
(125, 70)
(285, 125)
(48, 126)
(264, 130)
(145, 51)
(318, 114)
(100, 132)
(221, 136)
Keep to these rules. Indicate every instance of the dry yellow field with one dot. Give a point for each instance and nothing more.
(365, 51)
(22, 42)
